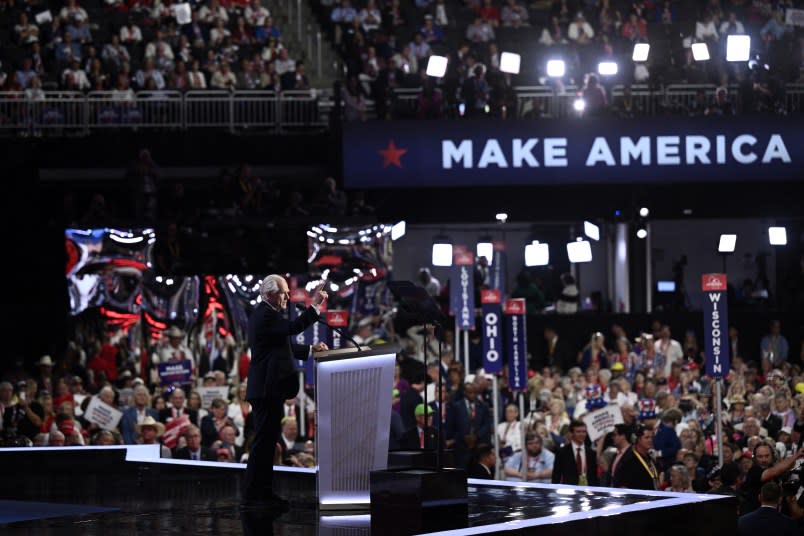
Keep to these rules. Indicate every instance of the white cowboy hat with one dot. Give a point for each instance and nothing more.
(45, 361)
(150, 421)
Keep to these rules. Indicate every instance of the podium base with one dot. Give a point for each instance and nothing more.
(406, 501)
(418, 459)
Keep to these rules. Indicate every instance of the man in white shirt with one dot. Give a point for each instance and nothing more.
(256, 14)
(157, 44)
(669, 348)
(580, 31)
(576, 463)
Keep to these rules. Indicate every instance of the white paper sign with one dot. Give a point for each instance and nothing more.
(208, 394)
(794, 17)
(102, 414)
(43, 17)
(601, 421)
(183, 13)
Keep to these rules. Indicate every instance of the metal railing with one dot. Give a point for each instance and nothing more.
(56, 111)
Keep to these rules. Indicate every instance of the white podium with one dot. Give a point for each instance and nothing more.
(353, 413)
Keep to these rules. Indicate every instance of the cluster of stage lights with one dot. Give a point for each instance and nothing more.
(738, 49)
(777, 236)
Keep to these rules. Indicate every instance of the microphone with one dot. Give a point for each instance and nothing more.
(302, 308)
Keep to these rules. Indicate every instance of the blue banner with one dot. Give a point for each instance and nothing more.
(716, 325)
(172, 372)
(492, 330)
(516, 344)
(498, 266)
(367, 296)
(402, 154)
(462, 289)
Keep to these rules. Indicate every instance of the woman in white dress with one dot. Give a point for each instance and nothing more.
(509, 433)
(238, 412)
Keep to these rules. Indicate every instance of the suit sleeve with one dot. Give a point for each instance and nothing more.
(556, 477)
(279, 326)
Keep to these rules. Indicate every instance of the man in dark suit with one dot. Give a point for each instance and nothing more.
(411, 398)
(557, 353)
(484, 464)
(468, 423)
(576, 462)
(194, 450)
(767, 519)
(132, 415)
(176, 408)
(272, 379)
(421, 436)
(636, 469)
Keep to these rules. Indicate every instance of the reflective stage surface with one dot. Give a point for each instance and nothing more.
(189, 499)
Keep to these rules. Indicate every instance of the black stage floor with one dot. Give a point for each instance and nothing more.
(99, 492)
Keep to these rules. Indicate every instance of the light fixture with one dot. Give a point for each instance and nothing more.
(642, 233)
(501, 217)
(727, 243)
(579, 105)
(644, 212)
(700, 52)
(591, 230)
(777, 236)
(398, 230)
(556, 68)
(437, 66)
(738, 47)
(509, 62)
(442, 251)
(607, 68)
(641, 51)
(485, 248)
(579, 251)
(537, 254)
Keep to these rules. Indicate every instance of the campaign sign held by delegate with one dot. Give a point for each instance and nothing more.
(337, 319)
(462, 289)
(172, 372)
(716, 325)
(492, 330)
(516, 340)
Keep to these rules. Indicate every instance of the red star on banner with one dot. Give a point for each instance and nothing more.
(392, 155)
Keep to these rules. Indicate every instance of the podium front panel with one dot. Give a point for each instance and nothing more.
(354, 420)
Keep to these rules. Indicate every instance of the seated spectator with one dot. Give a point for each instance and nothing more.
(122, 92)
(256, 14)
(475, 92)
(158, 43)
(37, 59)
(196, 78)
(721, 106)
(149, 71)
(580, 31)
(489, 13)
(242, 35)
(223, 78)
(775, 29)
(25, 74)
(344, 14)
(432, 33)
(635, 29)
(354, 103)
(184, 51)
(218, 34)
(560, 9)
(196, 32)
(98, 79)
(130, 33)
(34, 91)
(74, 78)
(115, 54)
(705, 29)
(514, 15)
(732, 26)
(283, 63)
(429, 103)
(441, 18)
(480, 31)
(553, 34)
(666, 13)
(179, 79)
(72, 12)
(79, 31)
(420, 48)
(406, 61)
(212, 13)
(25, 32)
(68, 50)
(370, 17)
(393, 16)
(248, 78)
(296, 79)
(266, 31)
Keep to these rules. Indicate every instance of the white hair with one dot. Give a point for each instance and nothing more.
(269, 285)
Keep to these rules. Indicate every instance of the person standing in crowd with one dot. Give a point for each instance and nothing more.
(766, 468)
(273, 379)
(576, 462)
(636, 469)
(485, 460)
(773, 346)
(468, 424)
(567, 303)
(136, 414)
(767, 519)
(429, 282)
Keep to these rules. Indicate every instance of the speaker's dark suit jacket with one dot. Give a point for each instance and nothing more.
(565, 471)
(765, 521)
(272, 373)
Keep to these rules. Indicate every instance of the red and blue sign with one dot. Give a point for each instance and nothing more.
(716, 324)
(171, 372)
(516, 339)
(462, 288)
(492, 330)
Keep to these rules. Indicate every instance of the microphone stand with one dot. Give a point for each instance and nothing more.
(342, 333)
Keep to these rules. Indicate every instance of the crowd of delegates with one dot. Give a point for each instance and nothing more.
(132, 45)
(667, 440)
(386, 45)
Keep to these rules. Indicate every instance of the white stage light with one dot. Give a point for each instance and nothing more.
(777, 236)
(738, 47)
(641, 51)
(398, 230)
(700, 52)
(485, 248)
(437, 66)
(642, 233)
(442, 251)
(644, 212)
(501, 217)
(556, 68)
(579, 105)
(727, 243)
(607, 68)
(579, 251)
(537, 254)
(591, 230)
(509, 62)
